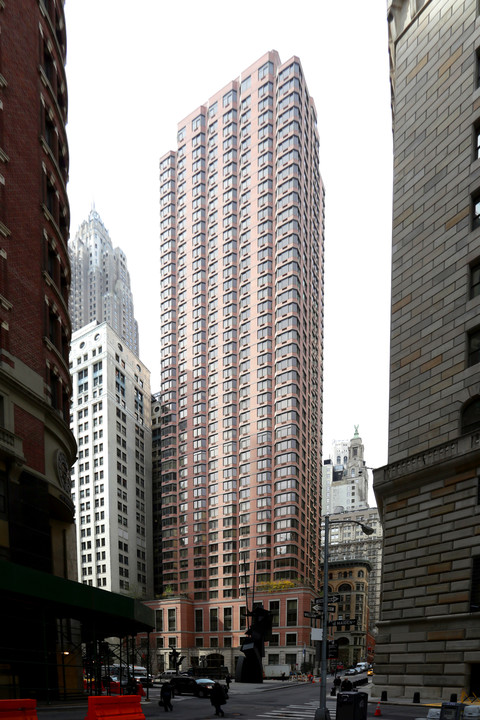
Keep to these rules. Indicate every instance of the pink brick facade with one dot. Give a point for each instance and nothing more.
(237, 482)
(211, 633)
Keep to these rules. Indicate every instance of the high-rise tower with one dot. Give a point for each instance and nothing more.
(429, 493)
(241, 338)
(101, 282)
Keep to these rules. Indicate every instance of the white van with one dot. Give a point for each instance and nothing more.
(361, 667)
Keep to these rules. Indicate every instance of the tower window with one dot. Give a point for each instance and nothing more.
(473, 348)
(475, 279)
(471, 416)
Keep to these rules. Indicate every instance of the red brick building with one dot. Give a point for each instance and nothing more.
(209, 634)
(40, 636)
(37, 447)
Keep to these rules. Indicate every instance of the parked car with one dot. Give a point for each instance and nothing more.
(350, 671)
(200, 687)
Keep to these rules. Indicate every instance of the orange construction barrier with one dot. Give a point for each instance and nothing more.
(20, 709)
(123, 707)
(140, 690)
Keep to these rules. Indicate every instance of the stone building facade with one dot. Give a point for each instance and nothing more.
(429, 494)
(349, 579)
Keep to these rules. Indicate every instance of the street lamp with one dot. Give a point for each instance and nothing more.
(322, 712)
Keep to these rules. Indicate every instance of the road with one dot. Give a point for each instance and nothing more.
(281, 702)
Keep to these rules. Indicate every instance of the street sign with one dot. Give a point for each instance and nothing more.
(339, 623)
(319, 608)
(331, 599)
(311, 615)
(332, 649)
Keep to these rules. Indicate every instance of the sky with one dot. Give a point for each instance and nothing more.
(135, 70)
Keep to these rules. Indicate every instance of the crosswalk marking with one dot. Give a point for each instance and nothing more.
(297, 711)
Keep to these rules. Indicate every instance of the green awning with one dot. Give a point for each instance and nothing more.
(107, 614)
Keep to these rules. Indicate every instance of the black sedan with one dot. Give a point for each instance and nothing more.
(201, 687)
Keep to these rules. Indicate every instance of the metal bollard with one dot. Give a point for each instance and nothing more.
(384, 696)
(416, 697)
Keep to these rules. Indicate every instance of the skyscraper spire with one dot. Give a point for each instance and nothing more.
(100, 287)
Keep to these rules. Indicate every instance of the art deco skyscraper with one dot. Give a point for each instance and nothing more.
(101, 282)
(242, 208)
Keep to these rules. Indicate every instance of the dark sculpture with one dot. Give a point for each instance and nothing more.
(249, 668)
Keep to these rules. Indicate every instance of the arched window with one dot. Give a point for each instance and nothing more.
(361, 573)
(470, 418)
(345, 587)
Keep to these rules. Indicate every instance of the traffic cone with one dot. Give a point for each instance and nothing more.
(377, 711)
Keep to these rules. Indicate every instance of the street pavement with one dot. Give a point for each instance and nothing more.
(278, 685)
(238, 689)
(269, 685)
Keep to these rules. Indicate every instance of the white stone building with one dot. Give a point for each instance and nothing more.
(111, 480)
(345, 477)
(345, 498)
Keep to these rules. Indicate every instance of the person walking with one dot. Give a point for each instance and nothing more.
(166, 696)
(217, 698)
(228, 680)
(346, 686)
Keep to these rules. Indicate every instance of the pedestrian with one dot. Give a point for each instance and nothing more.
(346, 685)
(166, 697)
(283, 676)
(131, 686)
(228, 680)
(217, 698)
